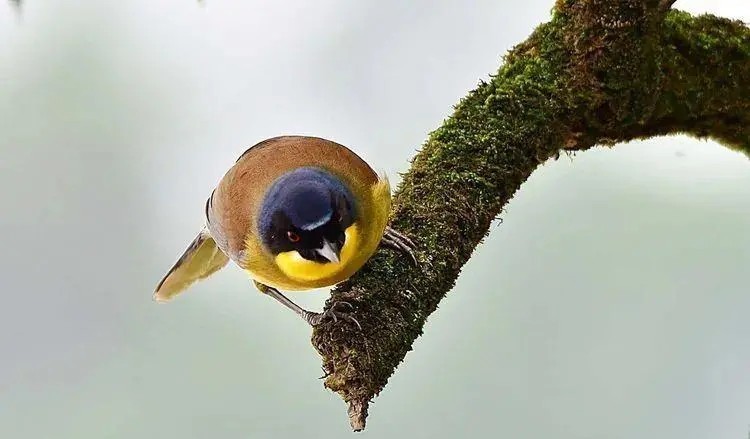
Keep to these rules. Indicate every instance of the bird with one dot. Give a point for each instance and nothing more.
(296, 213)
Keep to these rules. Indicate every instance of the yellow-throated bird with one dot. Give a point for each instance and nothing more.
(297, 213)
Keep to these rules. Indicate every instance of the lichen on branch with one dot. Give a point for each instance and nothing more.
(600, 72)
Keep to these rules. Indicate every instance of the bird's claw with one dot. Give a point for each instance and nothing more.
(332, 313)
(395, 240)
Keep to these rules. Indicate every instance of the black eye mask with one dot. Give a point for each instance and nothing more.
(309, 203)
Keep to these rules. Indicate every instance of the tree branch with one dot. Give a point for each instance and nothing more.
(666, 5)
(600, 72)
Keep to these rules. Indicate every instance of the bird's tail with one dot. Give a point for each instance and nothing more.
(201, 259)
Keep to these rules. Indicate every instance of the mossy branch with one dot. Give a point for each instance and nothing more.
(600, 72)
(665, 5)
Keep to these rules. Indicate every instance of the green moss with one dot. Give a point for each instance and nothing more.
(599, 72)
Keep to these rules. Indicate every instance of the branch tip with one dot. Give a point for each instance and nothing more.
(358, 414)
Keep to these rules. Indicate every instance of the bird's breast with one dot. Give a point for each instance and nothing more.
(297, 273)
(299, 269)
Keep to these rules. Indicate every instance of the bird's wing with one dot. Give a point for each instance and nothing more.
(201, 259)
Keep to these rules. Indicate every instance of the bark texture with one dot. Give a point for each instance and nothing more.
(600, 72)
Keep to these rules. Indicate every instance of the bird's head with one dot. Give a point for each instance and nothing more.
(307, 217)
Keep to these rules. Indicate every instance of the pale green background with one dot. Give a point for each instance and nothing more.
(611, 303)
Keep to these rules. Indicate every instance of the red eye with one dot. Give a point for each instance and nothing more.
(293, 237)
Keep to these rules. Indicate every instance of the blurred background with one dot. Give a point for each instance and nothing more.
(612, 301)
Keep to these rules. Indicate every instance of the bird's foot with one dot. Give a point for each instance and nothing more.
(333, 313)
(395, 240)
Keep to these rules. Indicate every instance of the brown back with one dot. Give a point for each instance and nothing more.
(233, 207)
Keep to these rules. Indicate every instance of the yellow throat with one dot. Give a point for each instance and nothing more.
(293, 265)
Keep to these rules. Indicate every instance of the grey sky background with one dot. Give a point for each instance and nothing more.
(612, 301)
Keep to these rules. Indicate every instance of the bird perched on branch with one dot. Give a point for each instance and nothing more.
(296, 213)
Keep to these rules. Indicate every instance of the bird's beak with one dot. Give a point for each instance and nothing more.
(329, 251)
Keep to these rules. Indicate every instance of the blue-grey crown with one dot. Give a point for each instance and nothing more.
(306, 197)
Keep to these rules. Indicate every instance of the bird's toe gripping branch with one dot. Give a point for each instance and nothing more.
(338, 310)
(395, 240)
